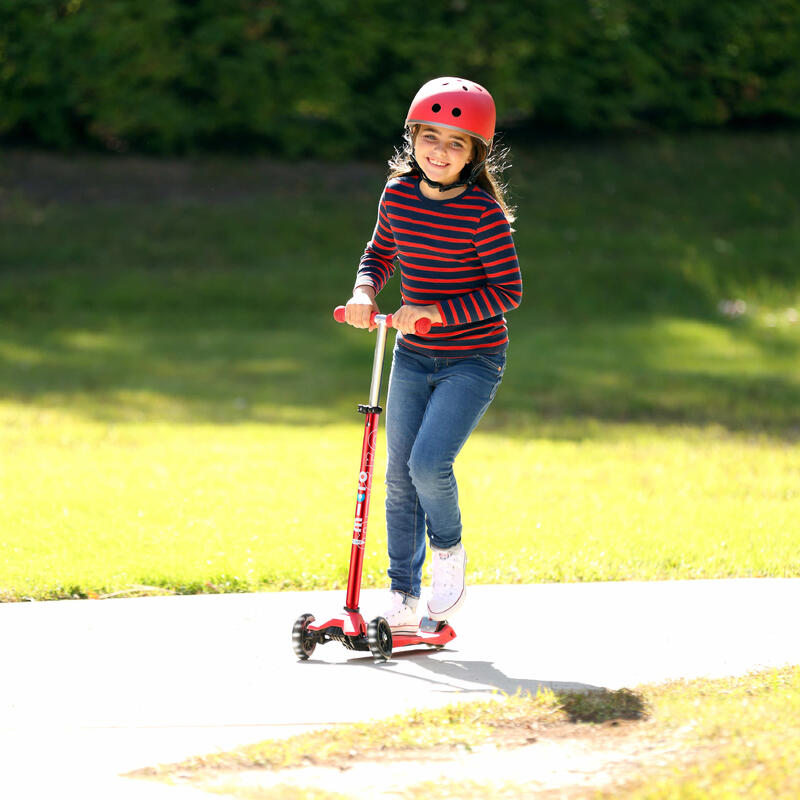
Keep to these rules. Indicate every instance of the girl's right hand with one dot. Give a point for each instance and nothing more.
(360, 307)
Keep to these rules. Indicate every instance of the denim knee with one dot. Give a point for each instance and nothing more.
(428, 473)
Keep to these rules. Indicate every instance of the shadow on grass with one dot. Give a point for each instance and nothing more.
(560, 380)
(191, 291)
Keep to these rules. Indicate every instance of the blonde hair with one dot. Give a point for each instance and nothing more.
(488, 179)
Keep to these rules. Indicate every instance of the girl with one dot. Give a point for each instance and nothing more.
(444, 218)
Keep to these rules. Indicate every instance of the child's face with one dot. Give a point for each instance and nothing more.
(442, 153)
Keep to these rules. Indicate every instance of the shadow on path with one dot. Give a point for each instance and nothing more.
(452, 673)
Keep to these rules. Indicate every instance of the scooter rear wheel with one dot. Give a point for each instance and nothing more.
(303, 640)
(379, 638)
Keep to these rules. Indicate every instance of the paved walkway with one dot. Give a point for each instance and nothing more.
(92, 689)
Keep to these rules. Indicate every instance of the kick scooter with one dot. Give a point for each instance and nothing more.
(349, 627)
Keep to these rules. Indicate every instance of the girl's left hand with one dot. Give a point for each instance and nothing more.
(405, 318)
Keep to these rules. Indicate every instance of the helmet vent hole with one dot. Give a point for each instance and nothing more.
(436, 108)
(465, 88)
(456, 112)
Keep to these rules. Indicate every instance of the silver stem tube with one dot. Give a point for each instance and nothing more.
(377, 362)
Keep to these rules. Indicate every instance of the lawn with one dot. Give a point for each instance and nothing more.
(177, 408)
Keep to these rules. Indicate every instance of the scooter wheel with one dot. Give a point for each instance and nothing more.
(379, 638)
(303, 640)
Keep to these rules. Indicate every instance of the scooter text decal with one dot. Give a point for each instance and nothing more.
(358, 527)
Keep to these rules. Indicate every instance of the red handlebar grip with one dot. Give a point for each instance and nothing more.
(421, 326)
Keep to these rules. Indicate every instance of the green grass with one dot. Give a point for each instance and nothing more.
(177, 407)
(744, 735)
(92, 509)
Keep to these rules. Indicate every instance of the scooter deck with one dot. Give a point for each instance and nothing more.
(430, 632)
(349, 629)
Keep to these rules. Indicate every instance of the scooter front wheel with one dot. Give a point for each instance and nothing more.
(379, 638)
(303, 640)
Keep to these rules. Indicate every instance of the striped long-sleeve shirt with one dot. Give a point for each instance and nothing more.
(457, 254)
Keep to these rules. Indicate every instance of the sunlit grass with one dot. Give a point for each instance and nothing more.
(91, 508)
(742, 732)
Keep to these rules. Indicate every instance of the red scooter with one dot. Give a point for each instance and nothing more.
(349, 627)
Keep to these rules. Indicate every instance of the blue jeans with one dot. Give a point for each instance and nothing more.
(433, 406)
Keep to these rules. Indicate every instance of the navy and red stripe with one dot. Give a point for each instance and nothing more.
(457, 254)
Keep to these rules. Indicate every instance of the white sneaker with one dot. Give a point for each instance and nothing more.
(402, 616)
(448, 571)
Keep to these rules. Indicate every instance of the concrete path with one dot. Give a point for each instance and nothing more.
(92, 689)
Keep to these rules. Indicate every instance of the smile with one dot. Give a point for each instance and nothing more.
(436, 163)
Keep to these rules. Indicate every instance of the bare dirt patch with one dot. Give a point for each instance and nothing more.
(563, 760)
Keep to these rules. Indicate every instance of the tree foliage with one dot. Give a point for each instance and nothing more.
(333, 78)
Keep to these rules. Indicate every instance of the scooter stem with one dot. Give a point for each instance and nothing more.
(364, 490)
(377, 361)
(372, 412)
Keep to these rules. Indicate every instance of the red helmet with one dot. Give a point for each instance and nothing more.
(454, 103)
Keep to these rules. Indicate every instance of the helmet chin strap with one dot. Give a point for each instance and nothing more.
(445, 187)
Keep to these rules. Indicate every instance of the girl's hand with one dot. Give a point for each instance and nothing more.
(405, 318)
(360, 307)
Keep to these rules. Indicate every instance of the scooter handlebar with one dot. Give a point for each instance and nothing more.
(421, 326)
